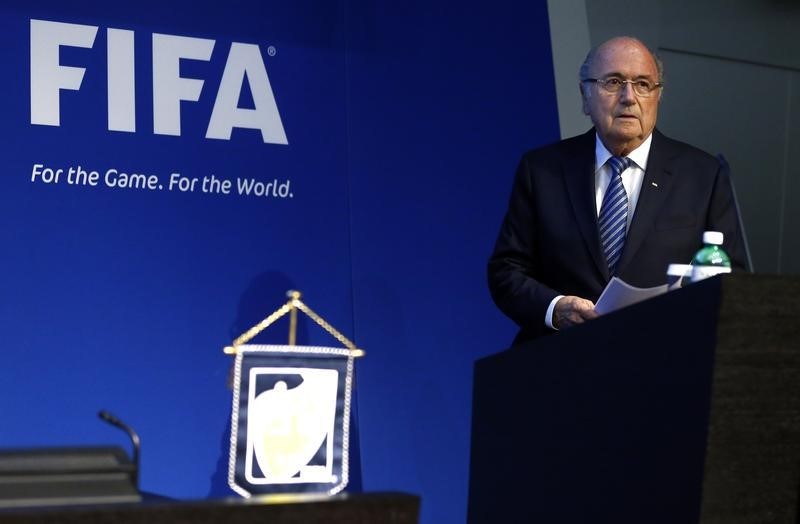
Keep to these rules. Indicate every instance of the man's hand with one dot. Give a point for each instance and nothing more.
(571, 310)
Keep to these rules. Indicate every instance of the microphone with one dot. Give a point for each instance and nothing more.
(726, 168)
(114, 421)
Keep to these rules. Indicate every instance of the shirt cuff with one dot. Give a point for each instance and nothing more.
(548, 317)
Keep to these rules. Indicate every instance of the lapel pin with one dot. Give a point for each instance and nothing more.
(653, 184)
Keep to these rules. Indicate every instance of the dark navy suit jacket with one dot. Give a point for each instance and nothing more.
(549, 242)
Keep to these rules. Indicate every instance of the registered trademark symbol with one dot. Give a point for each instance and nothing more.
(271, 51)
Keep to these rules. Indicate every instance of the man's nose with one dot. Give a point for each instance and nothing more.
(627, 95)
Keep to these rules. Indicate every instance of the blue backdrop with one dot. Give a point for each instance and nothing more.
(404, 124)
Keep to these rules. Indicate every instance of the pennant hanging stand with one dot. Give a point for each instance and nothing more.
(291, 307)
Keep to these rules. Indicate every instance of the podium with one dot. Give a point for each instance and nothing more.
(67, 476)
(681, 409)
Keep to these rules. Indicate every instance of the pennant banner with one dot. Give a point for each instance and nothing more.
(291, 414)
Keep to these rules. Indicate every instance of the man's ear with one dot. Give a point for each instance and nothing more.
(584, 98)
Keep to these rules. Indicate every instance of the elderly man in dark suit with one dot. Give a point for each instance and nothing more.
(622, 199)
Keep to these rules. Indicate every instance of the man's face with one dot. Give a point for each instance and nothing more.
(624, 119)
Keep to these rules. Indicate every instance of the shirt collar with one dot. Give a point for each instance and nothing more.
(638, 155)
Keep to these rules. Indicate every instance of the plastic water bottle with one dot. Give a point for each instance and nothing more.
(711, 259)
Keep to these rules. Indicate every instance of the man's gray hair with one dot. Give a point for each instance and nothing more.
(583, 73)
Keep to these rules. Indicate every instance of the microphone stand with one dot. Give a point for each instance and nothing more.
(114, 421)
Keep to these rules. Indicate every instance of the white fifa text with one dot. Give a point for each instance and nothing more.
(244, 63)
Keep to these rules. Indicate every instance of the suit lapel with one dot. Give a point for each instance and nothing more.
(579, 179)
(656, 185)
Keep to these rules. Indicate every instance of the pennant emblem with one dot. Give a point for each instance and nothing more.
(291, 410)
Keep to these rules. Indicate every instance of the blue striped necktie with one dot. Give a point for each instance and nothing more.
(613, 219)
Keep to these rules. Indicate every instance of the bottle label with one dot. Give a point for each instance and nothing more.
(701, 272)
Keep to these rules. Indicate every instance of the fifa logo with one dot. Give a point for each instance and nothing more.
(49, 77)
(291, 417)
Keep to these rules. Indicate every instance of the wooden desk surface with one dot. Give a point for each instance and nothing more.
(368, 508)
